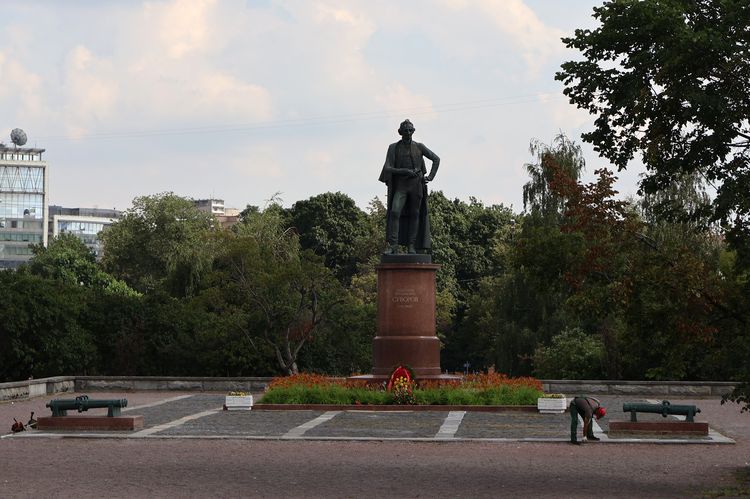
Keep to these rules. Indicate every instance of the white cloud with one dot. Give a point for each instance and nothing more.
(222, 93)
(181, 26)
(338, 37)
(519, 22)
(565, 115)
(396, 98)
(321, 163)
(180, 64)
(23, 87)
(161, 73)
(326, 12)
(259, 162)
(90, 90)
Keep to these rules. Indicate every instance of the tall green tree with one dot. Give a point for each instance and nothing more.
(538, 198)
(67, 259)
(518, 302)
(41, 328)
(162, 242)
(332, 226)
(669, 80)
(283, 293)
(656, 302)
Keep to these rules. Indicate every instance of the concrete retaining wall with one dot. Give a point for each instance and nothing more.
(646, 388)
(140, 383)
(47, 386)
(36, 387)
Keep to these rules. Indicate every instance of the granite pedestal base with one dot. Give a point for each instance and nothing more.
(406, 319)
(90, 423)
(660, 427)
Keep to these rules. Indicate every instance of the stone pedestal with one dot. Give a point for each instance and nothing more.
(406, 320)
(90, 423)
(658, 427)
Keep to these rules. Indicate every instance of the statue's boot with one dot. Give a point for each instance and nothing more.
(391, 250)
(412, 250)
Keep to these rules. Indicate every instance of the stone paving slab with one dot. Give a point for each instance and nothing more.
(243, 423)
(381, 425)
(176, 409)
(514, 425)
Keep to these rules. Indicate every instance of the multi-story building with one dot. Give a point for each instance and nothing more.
(213, 206)
(226, 216)
(24, 180)
(84, 223)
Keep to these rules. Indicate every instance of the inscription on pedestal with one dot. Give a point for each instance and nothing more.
(404, 297)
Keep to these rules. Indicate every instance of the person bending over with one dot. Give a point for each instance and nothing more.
(588, 408)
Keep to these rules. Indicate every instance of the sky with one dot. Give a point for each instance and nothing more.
(243, 100)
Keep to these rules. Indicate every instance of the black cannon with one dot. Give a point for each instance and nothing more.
(84, 403)
(665, 409)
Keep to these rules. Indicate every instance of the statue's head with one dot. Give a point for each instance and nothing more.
(406, 128)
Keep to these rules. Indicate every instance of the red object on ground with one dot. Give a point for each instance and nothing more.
(16, 426)
(399, 372)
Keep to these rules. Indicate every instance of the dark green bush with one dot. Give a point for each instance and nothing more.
(331, 394)
(572, 354)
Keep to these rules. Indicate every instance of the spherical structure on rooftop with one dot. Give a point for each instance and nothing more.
(18, 136)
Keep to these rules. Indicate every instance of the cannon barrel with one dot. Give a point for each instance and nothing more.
(666, 408)
(60, 407)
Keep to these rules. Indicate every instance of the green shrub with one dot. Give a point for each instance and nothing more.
(447, 396)
(572, 354)
(506, 395)
(325, 395)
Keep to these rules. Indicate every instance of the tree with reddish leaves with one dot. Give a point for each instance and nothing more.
(656, 304)
(668, 81)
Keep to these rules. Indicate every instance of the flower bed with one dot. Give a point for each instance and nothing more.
(482, 389)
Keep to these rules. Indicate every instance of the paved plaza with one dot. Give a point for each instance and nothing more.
(191, 448)
(200, 415)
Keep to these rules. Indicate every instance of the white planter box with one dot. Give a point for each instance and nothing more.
(551, 405)
(237, 403)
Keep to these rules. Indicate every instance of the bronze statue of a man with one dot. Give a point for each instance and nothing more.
(405, 174)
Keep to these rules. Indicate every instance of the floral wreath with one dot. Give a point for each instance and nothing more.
(400, 372)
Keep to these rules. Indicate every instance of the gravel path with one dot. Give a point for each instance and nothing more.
(232, 468)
